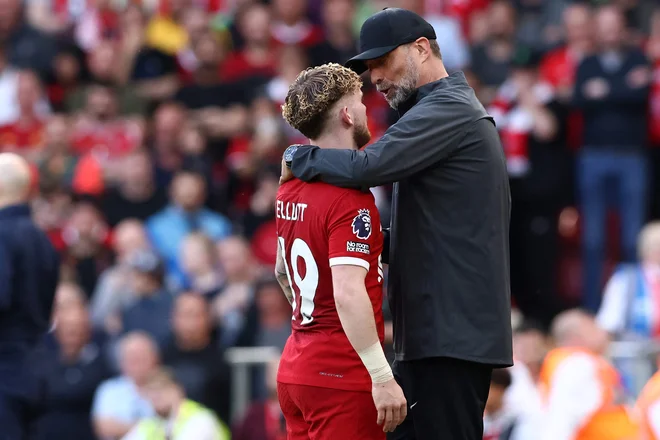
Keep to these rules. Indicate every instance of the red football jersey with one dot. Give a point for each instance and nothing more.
(319, 226)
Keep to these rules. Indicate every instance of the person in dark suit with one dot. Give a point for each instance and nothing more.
(29, 272)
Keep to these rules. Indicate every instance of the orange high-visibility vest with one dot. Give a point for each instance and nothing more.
(612, 420)
(649, 395)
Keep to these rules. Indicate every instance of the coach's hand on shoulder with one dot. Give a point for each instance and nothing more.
(390, 403)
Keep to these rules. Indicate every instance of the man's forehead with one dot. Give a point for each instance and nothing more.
(380, 60)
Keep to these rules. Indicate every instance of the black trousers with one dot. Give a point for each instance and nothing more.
(446, 399)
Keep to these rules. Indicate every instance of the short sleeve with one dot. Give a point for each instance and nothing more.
(104, 401)
(111, 402)
(352, 239)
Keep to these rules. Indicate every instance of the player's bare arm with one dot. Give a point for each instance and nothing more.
(357, 318)
(282, 276)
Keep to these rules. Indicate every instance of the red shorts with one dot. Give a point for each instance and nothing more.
(315, 413)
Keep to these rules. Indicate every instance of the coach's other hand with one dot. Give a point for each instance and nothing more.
(390, 403)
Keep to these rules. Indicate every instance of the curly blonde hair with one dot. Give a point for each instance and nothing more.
(313, 93)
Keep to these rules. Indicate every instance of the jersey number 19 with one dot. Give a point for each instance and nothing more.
(307, 285)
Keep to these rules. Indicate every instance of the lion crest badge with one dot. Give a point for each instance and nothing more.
(362, 224)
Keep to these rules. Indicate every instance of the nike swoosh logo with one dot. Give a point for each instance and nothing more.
(413, 405)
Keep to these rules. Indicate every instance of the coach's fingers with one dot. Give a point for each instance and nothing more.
(389, 416)
(381, 416)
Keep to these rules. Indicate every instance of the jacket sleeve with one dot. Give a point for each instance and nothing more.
(427, 134)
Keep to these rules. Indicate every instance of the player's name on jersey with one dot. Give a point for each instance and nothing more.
(290, 211)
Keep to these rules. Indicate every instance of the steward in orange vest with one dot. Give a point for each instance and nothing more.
(582, 395)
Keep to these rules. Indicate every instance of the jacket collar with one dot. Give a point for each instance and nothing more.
(456, 78)
(13, 211)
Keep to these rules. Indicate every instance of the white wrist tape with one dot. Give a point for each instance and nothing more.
(374, 359)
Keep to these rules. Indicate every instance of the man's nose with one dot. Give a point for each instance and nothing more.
(375, 76)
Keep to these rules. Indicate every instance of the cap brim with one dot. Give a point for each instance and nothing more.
(357, 63)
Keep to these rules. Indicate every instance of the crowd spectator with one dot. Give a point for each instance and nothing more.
(185, 213)
(70, 373)
(195, 357)
(612, 90)
(630, 301)
(118, 404)
(68, 296)
(150, 310)
(113, 291)
(274, 315)
(492, 56)
(200, 263)
(177, 416)
(231, 305)
(256, 57)
(580, 389)
(86, 240)
(136, 194)
(56, 162)
(28, 48)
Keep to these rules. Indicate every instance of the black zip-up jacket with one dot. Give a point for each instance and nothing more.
(449, 242)
(29, 273)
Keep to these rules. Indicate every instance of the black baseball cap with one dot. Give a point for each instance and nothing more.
(385, 31)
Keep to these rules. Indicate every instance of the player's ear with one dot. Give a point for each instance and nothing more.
(346, 117)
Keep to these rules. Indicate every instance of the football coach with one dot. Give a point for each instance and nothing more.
(29, 271)
(449, 238)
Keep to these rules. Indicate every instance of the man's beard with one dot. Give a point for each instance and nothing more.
(405, 88)
(361, 135)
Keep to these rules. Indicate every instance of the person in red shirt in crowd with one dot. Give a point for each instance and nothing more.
(25, 135)
(329, 266)
(99, 129)
(291, 25)
(256, 57)
(559, 66)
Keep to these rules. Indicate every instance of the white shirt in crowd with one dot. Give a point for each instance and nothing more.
(619, 293)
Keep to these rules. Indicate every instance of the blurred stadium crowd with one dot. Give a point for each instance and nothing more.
(155, 135)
